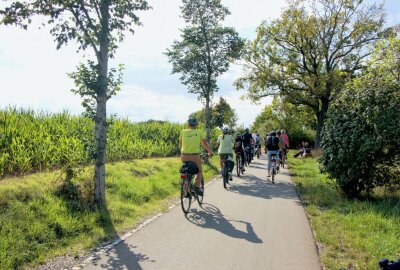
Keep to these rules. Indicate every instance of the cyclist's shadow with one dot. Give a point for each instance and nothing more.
(212, 218)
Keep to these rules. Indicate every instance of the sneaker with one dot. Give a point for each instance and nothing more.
(230, 177)
(198, 191)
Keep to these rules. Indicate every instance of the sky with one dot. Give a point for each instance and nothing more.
(33, 72)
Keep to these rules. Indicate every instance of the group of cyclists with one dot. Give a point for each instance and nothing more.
(246, 145)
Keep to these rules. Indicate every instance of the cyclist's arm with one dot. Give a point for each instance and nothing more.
(206, 146)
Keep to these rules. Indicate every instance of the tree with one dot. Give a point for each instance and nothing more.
(361, 135)
(94, 24)
(222, 114)
(309, 53)
(205, 50)
(298, 121)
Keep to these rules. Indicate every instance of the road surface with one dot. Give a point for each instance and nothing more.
(253, 225)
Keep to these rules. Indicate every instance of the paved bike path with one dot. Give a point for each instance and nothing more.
(253, 225)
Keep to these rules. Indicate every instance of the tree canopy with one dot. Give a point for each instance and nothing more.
(311, 51)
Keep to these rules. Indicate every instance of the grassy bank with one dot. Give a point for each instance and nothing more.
(41, 216)
(352, 234)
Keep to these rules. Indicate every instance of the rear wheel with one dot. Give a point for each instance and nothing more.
(238, 164)
(186, 197)
(273, 174)
(225, 176)
(258, 153)
(200, 198)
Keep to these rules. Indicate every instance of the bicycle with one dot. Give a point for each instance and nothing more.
(283, 157)
(187, 171)
(226, 174)
(239, 165)
(247, 154)
(274, 168)
(258, 151)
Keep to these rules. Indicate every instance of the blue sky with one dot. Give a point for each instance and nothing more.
(33, 72)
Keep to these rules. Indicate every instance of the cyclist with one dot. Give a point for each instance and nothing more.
(285, 138)
(273, 149)
(279, 135)
(258, 141)
(285, 141)
(239, 148)
(189, 144)
(226, 143)
(247, 140)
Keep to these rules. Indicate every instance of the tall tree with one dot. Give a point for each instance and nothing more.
(94, 24)
(205, 50)
(311, 51)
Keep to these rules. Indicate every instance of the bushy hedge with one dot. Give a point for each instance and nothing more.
(361, 138)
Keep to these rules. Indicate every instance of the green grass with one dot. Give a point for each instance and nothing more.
(354, 234)
(38, 221)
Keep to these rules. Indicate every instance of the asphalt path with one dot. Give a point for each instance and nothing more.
(254, 224)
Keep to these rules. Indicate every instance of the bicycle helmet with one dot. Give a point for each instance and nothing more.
(238, 135)
(192, 121)
(272, 133)
(224, 130)
(278, 132)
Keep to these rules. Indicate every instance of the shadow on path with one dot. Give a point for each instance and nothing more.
(120, 256)
(212, 218)
(254, 186)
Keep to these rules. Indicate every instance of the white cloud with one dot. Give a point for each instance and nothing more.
(139, 104)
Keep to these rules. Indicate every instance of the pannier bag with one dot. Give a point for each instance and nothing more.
(189, 167)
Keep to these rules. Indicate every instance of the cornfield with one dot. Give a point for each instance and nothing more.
(35, 141)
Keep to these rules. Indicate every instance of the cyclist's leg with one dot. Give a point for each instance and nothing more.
(221, 161)
(269, 162)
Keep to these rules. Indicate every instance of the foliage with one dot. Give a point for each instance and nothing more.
(298, 121)
(32, 141)
(205, 50)
(361, 136)
(37, 222)
(352, 234)
(222, 114)
(311, 51)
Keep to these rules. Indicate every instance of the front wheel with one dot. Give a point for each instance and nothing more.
(200, 198)
(186, 197)
(258, 153)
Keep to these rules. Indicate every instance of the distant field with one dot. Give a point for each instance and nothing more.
(31, 141)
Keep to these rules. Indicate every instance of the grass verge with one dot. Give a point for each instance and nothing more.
(42, 217)
(352, 234)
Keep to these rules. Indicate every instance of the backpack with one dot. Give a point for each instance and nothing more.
(189, 167)
(272, 141)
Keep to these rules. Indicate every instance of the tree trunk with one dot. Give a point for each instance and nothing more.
(101, 109)
(208, 119)
(321, 116)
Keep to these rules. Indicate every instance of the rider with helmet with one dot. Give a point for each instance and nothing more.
(273, 149)
(258, 140)
(189, 144)
(226, 143)
(247, 141)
